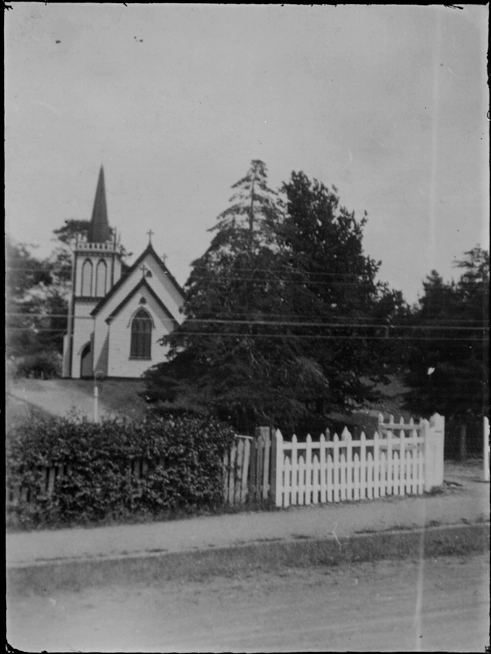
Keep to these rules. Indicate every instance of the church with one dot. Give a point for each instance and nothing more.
(117, 314)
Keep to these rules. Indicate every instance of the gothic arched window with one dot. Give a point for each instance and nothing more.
(141, 335)
(100, 278)
(87, 270)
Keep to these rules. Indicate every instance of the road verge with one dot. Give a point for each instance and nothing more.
(272, 555)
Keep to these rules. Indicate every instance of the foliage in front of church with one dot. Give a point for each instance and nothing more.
(184, 456)
(284, 316)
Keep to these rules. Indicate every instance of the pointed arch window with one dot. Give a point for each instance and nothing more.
(87, 270)
(141, 336)
(101, 278)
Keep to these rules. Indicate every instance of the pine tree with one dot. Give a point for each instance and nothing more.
(223, 357)
(254, 212)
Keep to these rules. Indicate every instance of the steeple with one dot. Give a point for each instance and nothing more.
(99, 231)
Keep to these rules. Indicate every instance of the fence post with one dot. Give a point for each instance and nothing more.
(261, 439)
(272, 478)
(437, 423)
(276, 468)
(252, 470)
(462, 444)
(434, 437)
(428, 454)
(485, 427)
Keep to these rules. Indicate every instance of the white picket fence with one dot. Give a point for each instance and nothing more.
(401, 458)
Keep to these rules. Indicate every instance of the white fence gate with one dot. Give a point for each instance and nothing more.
(402, 458)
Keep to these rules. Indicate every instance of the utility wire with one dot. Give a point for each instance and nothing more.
(233, 277)
(223, 335)
(285, 323)
(270, 270)
(448, 321)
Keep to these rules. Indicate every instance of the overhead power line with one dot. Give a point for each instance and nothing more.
(344, 337)
(269, 270)
(240, 316)
(285, 323)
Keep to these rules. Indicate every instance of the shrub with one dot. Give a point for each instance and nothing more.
(42, 365)
(184, 456)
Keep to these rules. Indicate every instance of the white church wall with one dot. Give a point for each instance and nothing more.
(116, 271)
(120, 363)
(101, 347)
(66, 356)
(83, 328)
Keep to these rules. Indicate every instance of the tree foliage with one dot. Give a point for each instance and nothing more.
(253, 214)
(224, 358)
(31, 295)
(271, 265)
(335, 287)
(38, 292)
(448, 367)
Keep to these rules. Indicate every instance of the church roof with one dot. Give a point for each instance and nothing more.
(149, 250)
(99, 231)
(142, 284)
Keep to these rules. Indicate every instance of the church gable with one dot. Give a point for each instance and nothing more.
(145, 294)
(134, 330)
(150, 268)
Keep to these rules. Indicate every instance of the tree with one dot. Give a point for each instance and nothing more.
(24, 272)
(72, 228)
(448, 367)
(254, 212)
(227, 356)
(334, 287)
(38, 292)
(241, 351)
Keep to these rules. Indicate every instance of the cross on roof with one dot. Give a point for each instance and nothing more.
(150, 235)
(144, 269)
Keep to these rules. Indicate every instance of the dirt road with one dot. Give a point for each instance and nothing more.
(436, 605)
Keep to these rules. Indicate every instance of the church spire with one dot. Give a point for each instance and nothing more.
(99, 231)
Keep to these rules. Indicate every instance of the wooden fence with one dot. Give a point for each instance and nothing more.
(404, 458)
(401, 458)
(50, 475)
(247, 469)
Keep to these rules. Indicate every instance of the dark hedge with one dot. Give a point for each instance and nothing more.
(185, 474)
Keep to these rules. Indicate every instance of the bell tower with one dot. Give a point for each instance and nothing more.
(96, 268)
(98, 257)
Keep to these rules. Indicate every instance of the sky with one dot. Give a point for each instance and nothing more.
(387, 103)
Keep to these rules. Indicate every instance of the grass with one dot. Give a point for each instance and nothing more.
(17, 409)
(271, 556)
(119, 395)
